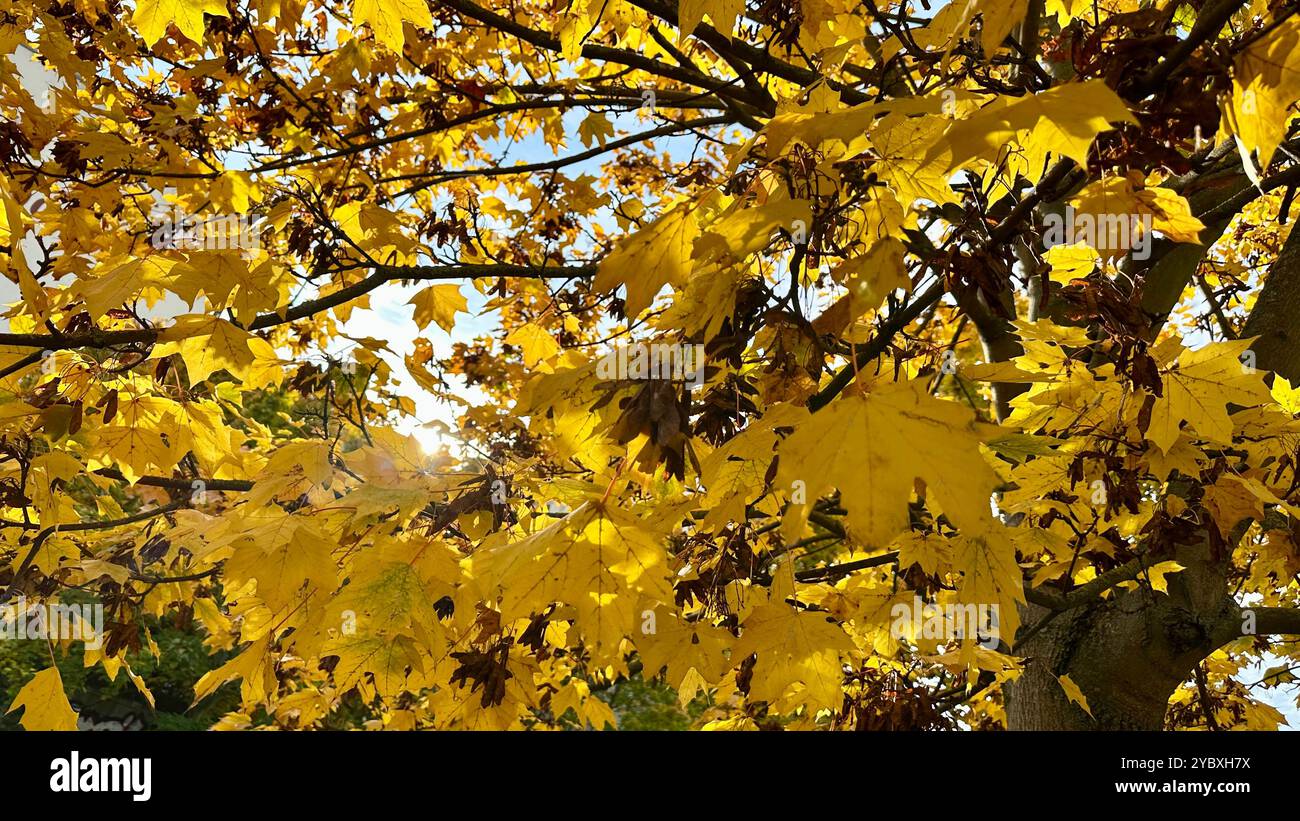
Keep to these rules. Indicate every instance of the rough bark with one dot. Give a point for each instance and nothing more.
(1277, 314)
(1127, 653)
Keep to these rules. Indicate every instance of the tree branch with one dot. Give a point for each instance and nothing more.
(1275, 621)
(550, 43)
(1089, 592)
(76, 528)
(381, 275)
(434, 177)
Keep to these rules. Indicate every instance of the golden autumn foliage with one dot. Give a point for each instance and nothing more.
(465, 358)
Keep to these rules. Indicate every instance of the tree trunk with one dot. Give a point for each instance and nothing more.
(1276, 314)
(1129, 652)
(1127, 655)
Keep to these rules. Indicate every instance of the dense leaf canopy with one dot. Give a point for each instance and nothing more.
(953, 298)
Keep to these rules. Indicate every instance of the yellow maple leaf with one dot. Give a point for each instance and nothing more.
(595, 129)
(388, 660)
(1073, 692)
(385, 18)
(657, 255)
(915, 157)
(820, 120)
(952, 23)
(874, 446)
(46, 705)
(723, 13)
(293, 469)
(1065, 120)
(1071, 261)
(1000, 16)
(286, 571)
(1114, 214)
(599, 559)
(794, 647)
(12, 223)
(743, 230)
(873, 276)
(137, 450)
(680, 647)
(1285, 395)
(990, 578)
(125, 282)
(535, 341)
(1198, 385)
(932, 552)
(1265, 82)
(438, 304)
(392, 588)
(1158, 575)
(207, 344)
(1066, 10)
(152, 17)
(253, 666)
(736, 472)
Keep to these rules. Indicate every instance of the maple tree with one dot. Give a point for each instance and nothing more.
(910, 392)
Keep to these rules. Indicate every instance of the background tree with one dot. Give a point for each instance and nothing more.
(976, 285)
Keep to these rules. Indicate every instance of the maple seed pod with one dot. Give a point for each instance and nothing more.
(48, 362)
(349, 623)
(1098, 492)
(798, 492)
(199, 492)
(1248, 362)
(949, 362)
(648, 624)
